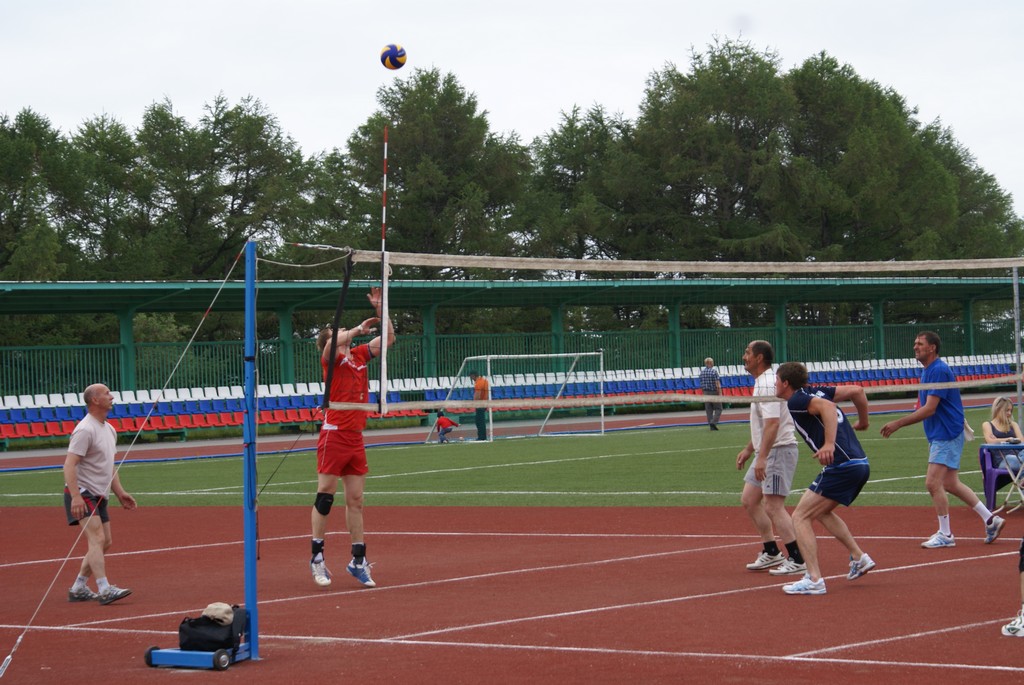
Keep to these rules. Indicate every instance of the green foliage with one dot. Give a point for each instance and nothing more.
(734, 159)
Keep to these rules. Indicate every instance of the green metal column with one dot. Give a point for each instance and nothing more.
(429, 315)
(878, 320)
(782, 350)
(286, 334)
(969, 326)
(125, 320)
(675, 335)
(557, 330)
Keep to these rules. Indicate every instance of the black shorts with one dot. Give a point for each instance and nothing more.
(92, 503)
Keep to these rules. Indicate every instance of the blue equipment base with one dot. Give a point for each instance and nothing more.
(217, 661)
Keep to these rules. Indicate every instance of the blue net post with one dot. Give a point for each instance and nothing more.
(249, 461)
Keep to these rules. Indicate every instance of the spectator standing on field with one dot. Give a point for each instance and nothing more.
(481, 393)
(711, 384)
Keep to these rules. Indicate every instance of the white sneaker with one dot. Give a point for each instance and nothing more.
(321, 575)
(361, 572)
(1015, 628)
(788, 567)
(765, 560)
(939, 540)
(805, 586)
(860, 567)
(993, 529)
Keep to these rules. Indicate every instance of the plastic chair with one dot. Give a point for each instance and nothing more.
(995, 477)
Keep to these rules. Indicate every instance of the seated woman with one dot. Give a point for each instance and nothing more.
(1003, 429)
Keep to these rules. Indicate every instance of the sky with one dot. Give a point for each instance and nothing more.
(315, 64)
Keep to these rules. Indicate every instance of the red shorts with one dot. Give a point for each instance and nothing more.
(341, 453)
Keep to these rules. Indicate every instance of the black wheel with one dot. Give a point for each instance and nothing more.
(149, 656)
(221, 660)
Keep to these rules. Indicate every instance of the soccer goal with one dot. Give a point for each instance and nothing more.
(524, 395)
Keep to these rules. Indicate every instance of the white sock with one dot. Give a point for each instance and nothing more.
(80, 582)
(102, 585)
(944, 525)
(981, 510)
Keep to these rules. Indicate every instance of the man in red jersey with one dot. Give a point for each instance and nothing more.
(340, 451)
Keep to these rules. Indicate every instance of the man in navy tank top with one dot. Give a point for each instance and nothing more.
(825, 429)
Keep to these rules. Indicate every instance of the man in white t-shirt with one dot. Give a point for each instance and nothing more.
(89, 477)
(770, 477)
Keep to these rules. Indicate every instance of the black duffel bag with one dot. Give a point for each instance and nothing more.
(203, 634)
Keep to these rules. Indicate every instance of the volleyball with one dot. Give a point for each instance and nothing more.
(392, 56)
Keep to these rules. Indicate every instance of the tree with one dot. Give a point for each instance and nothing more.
(453, 185)
(233, 178)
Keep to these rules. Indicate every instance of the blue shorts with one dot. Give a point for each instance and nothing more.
(946, 452)
(842, 483)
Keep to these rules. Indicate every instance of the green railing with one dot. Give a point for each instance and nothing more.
(62, 369)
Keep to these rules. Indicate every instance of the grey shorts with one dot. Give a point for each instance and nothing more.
(779, 473)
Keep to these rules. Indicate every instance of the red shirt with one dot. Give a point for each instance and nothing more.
(445, 422)
(349, 384)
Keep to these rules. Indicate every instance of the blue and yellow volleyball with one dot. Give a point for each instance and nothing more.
(392, 56)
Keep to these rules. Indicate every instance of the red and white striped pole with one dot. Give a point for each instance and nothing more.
(384, 196)
(382, 395)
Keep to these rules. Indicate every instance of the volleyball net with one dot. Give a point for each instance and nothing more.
(585, 338)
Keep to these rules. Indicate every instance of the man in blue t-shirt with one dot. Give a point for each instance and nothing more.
(943, 415)
(823, 426)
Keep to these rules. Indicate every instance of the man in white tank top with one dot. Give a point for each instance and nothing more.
(89, 477)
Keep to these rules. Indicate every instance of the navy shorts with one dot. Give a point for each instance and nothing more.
(92, 503)
(842, 483)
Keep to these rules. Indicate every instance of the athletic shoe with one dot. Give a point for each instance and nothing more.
(82, 594)
(993, 529)
(788, 567)
(361, 572)
(805, 586)
(1015, 628)
(765, 560)
(113, 593)
(321, 575)
(939, 540)
(860, 567)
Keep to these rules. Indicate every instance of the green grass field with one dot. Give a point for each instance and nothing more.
(689, 466)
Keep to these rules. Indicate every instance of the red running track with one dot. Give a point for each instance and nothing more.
(538, 595)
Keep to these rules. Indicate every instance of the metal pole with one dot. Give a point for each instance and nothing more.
(249, 439)
(1016, 335)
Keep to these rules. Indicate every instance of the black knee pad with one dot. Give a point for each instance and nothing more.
(323, 503)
